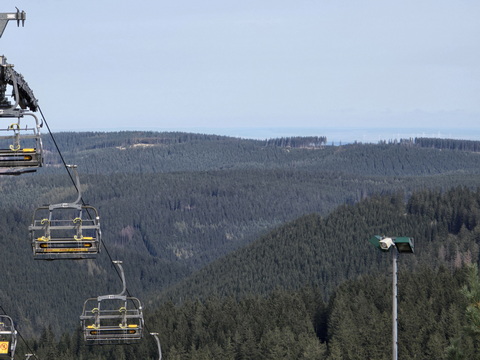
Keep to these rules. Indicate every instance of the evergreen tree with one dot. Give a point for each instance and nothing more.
(467, 344)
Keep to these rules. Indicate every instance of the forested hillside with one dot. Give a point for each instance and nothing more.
(174, 203)
(295, 294)
(324, 251)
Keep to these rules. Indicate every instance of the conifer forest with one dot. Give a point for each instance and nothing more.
(249, 249)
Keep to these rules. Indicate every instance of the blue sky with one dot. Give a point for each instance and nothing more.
(251, 66)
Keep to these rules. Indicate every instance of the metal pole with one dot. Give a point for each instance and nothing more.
(155, 335)
(394, 306)
(122, 276)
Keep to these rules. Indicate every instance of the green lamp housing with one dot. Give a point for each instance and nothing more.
(403, 244)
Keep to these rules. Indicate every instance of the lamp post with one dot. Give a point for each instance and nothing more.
(399, 245)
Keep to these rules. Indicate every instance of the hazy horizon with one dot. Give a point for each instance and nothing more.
(334, 135)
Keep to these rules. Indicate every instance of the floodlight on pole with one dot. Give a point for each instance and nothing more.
(403, 244)
(400, 244)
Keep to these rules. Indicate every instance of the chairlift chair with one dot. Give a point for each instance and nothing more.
(66, 230)
(112, 319)
(21, 148)
(8, 338)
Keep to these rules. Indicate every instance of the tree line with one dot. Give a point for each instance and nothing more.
(450, 144)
